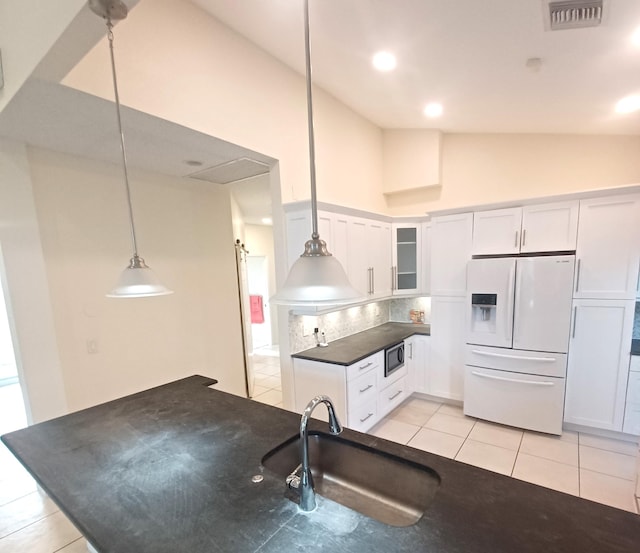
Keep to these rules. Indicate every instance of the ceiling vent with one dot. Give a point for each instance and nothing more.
(573, 14)
(232, 171)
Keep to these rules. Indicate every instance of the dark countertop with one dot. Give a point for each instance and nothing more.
(352, 349)
(168, 470)
(635, 347)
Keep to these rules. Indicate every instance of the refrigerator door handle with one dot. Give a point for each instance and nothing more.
(517, 381)
(508, 328)
(517, 357)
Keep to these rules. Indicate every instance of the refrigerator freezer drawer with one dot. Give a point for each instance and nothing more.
(518, 361)
(521, 400)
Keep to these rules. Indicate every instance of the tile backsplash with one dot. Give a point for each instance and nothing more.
(352, 320)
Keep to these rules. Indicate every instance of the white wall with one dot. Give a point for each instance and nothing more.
(178, 63)
(184, 233)
(22, 266)
(491, 168)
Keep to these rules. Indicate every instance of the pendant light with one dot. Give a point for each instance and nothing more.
(137, 280)
(316, 278)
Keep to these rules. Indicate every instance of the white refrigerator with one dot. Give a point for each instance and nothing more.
(519, 321)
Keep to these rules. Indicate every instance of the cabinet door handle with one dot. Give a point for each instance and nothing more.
(373, 281)
(394, 396)
(578, 276)
(515, 245)
(367, 417)
(524, 237)
(363, 367)
(410, 351)
(575, 317)
(366, 388)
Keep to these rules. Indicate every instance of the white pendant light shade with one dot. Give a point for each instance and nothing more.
(138, 281)
(316, 280)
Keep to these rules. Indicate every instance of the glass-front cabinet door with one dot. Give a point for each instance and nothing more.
(406, 270)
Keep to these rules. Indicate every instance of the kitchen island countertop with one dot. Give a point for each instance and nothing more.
(169, 470)
(356, 347)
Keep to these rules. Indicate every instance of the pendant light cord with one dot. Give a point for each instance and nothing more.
(312, 151)
(122, 148)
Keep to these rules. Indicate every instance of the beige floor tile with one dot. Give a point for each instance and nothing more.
(272, 382)
(487, 456)
(547, 473)
(610, 444)
(436, 442)
(451, 410)
(270, 397)
(568, 436)
(272, 370)
(259, 389)
(550, 447)
(260, 376)
(608, 462)
(78, 546)
(414, 413)
(15, 484)
(496, 434)
(606, 489)
(423, 405)
(44, 536)
(458, 426)
(23, 511)
(395, 431)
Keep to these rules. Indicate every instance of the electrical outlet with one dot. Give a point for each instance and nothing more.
(92, 346)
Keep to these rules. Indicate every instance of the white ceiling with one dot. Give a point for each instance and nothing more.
(468, 54)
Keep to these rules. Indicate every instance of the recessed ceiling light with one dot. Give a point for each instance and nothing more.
(433, 109)
(629, 104)
(384, 61)
(267, 221)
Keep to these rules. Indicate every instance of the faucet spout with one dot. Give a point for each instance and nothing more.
(305, 488)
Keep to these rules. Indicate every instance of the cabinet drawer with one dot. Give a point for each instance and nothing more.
(392, 396)
(363, 417)
(361, 389)
(374, 362)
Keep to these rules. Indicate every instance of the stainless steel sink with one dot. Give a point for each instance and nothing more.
(382, 486)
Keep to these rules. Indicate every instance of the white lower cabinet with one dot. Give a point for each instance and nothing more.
(632, 408)
(445, 377)
(416, 357)
(598, 366)
(354, 389)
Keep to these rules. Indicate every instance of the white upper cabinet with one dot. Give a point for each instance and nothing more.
(451, 237)
(549, 227)
(358, 255)
(533, 228)
(426, 259)
(608, 249)
(497, 231)
(380, 257)
(407, 258)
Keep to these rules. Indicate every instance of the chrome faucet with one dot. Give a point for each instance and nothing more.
(301, 478)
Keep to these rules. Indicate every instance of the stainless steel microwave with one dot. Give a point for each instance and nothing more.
(393, 358)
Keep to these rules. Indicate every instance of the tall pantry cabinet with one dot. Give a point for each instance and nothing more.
(451, 237)
(607, 261)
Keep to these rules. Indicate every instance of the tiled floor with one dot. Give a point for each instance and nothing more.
(591, 467)
(266, 367)
(599, 469)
